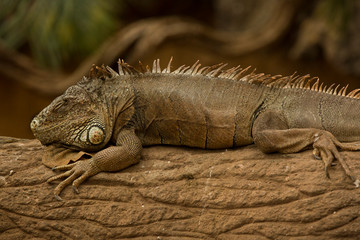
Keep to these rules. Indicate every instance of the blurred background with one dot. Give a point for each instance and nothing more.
(47, 46)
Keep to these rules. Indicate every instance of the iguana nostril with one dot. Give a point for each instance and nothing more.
(34, 124)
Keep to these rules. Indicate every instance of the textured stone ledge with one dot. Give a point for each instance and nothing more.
(181, 193)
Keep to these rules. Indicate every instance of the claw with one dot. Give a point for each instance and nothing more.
(76, 190)
(54, 168)
(353, 179)
(357, 183)
(58, 197)
(327, 172)
(316, 154)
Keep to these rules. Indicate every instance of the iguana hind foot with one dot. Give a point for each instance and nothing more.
(326, 148)
(272, 134)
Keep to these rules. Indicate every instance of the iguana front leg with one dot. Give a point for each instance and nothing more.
(114, 158)
(272, 134)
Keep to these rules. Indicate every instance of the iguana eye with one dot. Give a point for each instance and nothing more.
(96, 135)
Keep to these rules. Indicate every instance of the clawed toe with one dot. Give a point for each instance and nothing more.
(350, 146)
(327, 172)
(64, 167)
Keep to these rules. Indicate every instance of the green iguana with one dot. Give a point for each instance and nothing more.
(116, 113)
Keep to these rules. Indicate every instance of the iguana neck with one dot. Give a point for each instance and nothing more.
(119, 99)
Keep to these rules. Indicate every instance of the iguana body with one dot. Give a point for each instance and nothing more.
(196, 107)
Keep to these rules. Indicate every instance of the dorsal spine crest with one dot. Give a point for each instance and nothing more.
(217, 71)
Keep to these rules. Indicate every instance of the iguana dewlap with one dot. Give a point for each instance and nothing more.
(116, 113)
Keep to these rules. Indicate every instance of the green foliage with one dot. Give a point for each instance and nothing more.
(57, 31)
(337, 13)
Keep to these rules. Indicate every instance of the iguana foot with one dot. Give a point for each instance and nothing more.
(77, 173)
(326, 148)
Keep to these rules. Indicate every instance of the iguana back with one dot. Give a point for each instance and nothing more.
(196, 111)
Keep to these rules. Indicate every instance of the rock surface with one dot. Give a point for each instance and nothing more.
(181, 193)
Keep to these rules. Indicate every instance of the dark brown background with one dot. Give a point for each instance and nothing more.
(19, 103)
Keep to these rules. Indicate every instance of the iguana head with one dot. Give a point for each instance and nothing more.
(75, 119)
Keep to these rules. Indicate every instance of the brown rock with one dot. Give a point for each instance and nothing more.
(181, 193)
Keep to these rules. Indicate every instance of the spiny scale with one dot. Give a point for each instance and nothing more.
(216, 71)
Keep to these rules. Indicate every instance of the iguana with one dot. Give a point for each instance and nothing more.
(115, 114)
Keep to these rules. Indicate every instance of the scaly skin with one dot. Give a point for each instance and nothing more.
(207, 107)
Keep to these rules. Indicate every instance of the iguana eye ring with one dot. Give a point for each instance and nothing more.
(96, 135)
